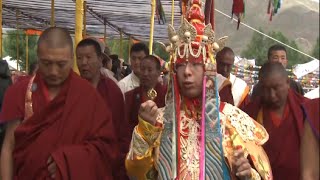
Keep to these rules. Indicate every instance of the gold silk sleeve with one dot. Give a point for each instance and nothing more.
(140, 159)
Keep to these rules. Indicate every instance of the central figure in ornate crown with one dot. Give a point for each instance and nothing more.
(195, 136)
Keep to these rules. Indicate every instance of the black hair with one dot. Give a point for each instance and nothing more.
(4, 69)
(56, 37)
(140, 47)
(116, 66)
(276, 47)
(153, 59)
(91, 42)
(270, 68)
(114, 56)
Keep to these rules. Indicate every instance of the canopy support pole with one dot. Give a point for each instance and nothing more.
(84, 19)
(172, 12)
(52, 22)
(121, 39)
(212, 21)
(172, 19)
(27, 52)
(79, 27)
(17, 38)
(129, 44)
(105, 31)
(1, 29)
(153, 9)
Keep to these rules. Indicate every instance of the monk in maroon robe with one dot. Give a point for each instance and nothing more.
(278, 108)
(311, 109)
(225, 93)
(309, 154)
(150, 72)
(58, 127)
(89, 60)
(136, 97)
(236, 92)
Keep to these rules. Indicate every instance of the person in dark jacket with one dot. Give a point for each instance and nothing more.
(116, 66)
(5, 82)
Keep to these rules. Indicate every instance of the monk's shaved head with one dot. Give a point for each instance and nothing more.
(225, 61)
(55, 54)
(274, 84)
(55, 37)
(272, 68)
(224, 51)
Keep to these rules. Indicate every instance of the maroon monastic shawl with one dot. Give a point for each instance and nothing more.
(283, 145)
(75, 128)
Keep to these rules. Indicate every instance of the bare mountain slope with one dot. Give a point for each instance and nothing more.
(297, 19)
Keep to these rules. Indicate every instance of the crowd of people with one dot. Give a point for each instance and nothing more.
(197, 122)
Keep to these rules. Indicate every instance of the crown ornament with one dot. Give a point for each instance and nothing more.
(194, 38)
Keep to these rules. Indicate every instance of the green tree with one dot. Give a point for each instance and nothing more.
(10, 47)
(258, 48)
(114, 45)
(316, 49)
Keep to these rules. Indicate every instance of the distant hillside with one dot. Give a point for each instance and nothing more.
(297, 19)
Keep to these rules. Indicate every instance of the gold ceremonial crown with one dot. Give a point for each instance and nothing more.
(194, 38)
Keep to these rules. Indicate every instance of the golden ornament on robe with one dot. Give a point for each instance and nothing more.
(152, 94)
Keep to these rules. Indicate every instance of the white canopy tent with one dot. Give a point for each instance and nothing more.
(303, 69)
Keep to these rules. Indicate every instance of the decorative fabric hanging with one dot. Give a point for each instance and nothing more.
(208, 11)
(273, 7)
(238, 9)
(160, 13)
(183, 7)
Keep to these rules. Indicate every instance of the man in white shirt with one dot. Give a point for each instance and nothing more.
(137, 52)
(240, 89)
